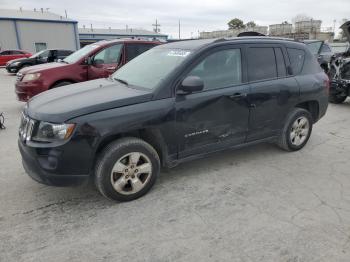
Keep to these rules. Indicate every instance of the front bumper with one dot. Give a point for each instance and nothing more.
(26, 90)
(11, 69)
(45, 168)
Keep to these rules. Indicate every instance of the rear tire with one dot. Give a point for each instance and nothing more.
(296, 131)
(126, 169)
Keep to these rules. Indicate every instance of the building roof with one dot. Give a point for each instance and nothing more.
(13, 14)
(128, 32)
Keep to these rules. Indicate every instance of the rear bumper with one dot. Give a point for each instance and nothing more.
(37, 171)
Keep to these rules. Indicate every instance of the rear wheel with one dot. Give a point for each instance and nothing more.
(126, 169)
(296, 131)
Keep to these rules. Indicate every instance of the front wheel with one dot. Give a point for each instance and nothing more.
(126, 169)
(296, 131)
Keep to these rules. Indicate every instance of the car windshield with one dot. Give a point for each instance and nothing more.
(76, 56)
(150, 68)
(314, 47)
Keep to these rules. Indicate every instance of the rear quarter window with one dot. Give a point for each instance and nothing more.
(296, 58)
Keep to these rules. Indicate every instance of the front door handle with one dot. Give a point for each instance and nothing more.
(238, 95)
(112, 68)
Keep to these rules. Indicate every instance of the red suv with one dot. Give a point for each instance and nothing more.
(98, 60)
(8, 55)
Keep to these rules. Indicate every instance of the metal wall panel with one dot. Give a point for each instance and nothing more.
(55, 35)
(7, 35)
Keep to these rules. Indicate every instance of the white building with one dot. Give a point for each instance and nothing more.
(232, 32)
(90, 35)
(36, 30)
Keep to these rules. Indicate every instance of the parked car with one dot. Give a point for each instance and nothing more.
(8, 55)
(98, 60)
(340, 71)
(42, 57)
(322, 51)
(171, 104)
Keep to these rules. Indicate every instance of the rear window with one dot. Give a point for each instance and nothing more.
(261, 63)
(296, 57)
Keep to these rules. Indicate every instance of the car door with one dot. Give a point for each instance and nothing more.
(216, 117)
(272, 90)
(105, 62)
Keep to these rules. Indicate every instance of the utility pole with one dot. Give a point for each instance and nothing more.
(179, 30)
(334, 21)
(65, 11)
(156, 25)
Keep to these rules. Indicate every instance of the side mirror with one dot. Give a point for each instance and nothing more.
(87, 61)
(191, 84)
(289, 70)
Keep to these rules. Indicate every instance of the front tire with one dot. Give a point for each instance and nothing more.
(126, 169)
(297, 130)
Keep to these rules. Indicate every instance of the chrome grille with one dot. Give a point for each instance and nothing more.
(26, 128)
(19, 77)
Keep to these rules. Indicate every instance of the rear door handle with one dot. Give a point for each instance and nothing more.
(112, 68)
(238, 95)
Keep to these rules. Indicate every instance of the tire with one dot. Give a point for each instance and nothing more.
(114, 166)
(337, 98)
(64, 83)
(293, 125)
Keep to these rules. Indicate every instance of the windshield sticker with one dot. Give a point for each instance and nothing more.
(178, 53)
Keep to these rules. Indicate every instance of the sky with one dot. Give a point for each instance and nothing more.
(194, 16)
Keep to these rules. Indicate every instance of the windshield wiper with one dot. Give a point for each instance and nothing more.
(121, 81)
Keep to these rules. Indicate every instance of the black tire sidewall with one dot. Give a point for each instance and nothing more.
(112, 157)
(295, 116)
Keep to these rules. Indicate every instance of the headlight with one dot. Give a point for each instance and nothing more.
(15, 63)
(31, 77)
(48, 132)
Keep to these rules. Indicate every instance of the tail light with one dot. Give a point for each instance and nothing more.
(327, 84)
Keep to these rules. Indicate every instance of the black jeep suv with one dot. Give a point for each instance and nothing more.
(173, 103)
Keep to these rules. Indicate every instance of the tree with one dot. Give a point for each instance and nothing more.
(236, 24)
(250, 24)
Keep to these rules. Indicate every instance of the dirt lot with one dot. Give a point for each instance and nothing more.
(255, 204)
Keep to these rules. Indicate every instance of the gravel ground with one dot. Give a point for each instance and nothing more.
(253, 204)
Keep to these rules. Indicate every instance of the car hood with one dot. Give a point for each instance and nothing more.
(42, 67)
(63, 103)
(346, 30)
(18, 60)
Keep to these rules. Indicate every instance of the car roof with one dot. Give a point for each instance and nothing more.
(312, 41)
(199, 43)
(125, 40)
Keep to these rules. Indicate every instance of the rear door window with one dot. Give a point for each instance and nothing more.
(133, 50)
(281, 66)
(296, 57)
(261, 63)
